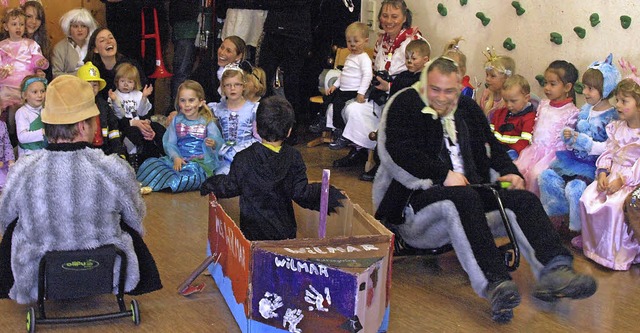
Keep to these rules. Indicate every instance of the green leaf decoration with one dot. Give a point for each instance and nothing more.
(578, 87)
(483, 18)
(594, 19)
(580, 32)
(540, 79)
(442, 10)
(508, 44)
(518, 7)
(463, 2)
(556, 38)
(625, 21)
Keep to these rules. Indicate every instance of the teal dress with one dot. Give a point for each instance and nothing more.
(184, 138)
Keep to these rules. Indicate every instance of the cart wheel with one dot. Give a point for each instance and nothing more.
(31, 320)
(135, 312)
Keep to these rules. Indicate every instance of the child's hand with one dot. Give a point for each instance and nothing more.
(113, 96)
(170, 117)
(4, 72)
(209, 142)
(1, 164)
(603, 182)
(360, 98)
(178, 163)
(40, 73)
(147, 90)
(11, 163)
(567, 134)
(331, 90)
(614, 186)
(41, 63)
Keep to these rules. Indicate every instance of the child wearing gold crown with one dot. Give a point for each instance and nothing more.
(498, 68)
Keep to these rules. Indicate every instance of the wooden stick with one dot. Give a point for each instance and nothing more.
(187, 282)
(324, 203)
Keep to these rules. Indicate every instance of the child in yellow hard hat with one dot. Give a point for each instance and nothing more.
(107, 135)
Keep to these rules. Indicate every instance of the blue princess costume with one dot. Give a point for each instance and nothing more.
(184, 138)
(237, 131)
(562, 185)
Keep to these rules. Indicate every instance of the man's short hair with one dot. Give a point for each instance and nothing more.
(274, 118)
(444, 65)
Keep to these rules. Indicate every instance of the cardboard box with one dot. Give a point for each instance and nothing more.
(337, 284)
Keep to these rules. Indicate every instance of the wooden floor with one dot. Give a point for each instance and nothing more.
(429, 294)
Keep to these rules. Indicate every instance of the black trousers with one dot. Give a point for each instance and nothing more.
(472, 204)
(339, 98)
(289, 54)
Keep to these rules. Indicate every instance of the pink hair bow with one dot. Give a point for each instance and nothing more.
(633, 70)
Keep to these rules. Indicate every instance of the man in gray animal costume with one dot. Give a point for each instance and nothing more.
(433, 143)
(70, 196)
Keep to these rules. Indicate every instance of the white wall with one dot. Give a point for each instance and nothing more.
(530, 32)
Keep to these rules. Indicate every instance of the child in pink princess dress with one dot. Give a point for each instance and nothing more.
(19, 57)
(554, 114)
(606, 238)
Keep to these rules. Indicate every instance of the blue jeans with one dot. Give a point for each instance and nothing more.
(184, 53)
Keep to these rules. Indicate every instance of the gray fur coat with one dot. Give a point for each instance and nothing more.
(70, 197)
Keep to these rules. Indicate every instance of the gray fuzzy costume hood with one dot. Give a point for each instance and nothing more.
(66, 199)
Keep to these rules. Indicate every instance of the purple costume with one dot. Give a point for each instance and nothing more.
(607, 238)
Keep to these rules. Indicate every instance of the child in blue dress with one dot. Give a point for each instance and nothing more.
(191, 143)
(562, 185)
(237, 117)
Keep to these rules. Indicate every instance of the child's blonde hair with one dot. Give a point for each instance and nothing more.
(629, 88)
(498, 63)
(517, 80)
(128, 71)
(29, 79)
(258, 77)
(232, 72)
(452, 51)
(11, 14)
(204, 110)
(357, 28)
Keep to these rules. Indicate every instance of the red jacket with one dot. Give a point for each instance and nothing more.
(514, 130)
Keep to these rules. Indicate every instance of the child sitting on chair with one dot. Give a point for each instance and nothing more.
(268, 176)
(513, 124)
(354, 79)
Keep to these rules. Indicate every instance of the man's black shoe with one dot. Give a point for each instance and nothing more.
(369, 175)
(355, 157)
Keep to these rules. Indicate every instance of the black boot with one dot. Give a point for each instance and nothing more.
(368, 176)
(134, 161)
(355, 157)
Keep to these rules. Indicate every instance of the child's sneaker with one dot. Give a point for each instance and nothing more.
(563, 281)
